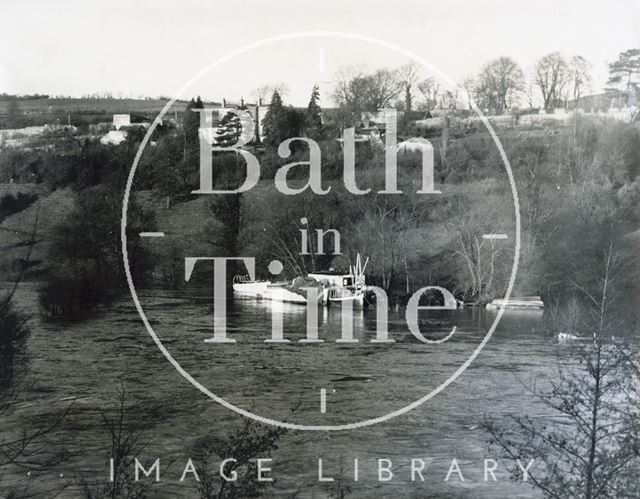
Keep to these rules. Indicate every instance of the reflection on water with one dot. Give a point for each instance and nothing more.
(85, 361)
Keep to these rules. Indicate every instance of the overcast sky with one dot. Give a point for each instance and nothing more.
(144, 47)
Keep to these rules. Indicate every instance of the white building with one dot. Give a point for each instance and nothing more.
(120, 120)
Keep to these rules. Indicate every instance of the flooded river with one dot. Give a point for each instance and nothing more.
(84, 363)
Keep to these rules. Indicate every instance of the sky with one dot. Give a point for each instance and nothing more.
(151, 48)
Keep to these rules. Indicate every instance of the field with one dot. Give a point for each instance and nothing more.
(34, 112)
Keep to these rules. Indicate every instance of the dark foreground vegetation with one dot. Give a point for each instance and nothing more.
(593, 451)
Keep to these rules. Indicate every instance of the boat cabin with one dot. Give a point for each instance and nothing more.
(333, 279)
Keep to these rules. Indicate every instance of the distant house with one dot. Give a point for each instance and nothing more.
(370, 128)
(376, 120)
(120, 120)
(366, 135)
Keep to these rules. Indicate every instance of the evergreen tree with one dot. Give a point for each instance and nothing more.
(624, 74)
(190, 125)
(190, 166)
(313, 119)
(229, 130)
(274, 124)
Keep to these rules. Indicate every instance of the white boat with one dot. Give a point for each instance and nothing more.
(567, 337)
(517, 303)
(331, 287)
(243, 286)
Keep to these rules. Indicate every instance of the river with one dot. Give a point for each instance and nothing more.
(83, 364)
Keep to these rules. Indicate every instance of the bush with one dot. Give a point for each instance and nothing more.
(244, 445)
(85, 261)
(71, 296)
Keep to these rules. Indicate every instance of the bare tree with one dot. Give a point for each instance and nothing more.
(350, 94)
(429, 89)
(468, 218)
(14, 329)
(340, 487)
(552, 76)
(127, 441)
(469, 86)
(580, 74)
(592, 450)
(499, 83)
(529, 91)
(383, 224)
(250, 441)
(449, 99)
(408, 76)
(31, 447)
(384, 86)
(263, 93)
(357, 92)
(238, 452)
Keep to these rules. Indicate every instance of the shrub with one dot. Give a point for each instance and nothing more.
(65, 296)
(85, 262)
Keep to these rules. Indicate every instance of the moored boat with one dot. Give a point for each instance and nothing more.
(326, 287)
(533, 303)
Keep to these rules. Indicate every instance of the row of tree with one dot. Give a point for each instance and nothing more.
(501, 84)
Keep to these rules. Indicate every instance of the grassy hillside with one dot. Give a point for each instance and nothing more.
(15, 231)
(183, 223)
(33, 112)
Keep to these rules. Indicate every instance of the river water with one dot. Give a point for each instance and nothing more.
(84, 363)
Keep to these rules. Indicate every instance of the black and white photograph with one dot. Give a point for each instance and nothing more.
(296, 249)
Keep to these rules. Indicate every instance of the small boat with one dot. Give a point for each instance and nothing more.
(533, 303)
(243, 286)
(330, 287)
(567, 337)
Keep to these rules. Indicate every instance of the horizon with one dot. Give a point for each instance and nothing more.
(110, 43)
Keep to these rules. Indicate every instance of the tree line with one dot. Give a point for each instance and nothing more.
(499, 85)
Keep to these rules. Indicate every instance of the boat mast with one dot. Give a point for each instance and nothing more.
(357, 271)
